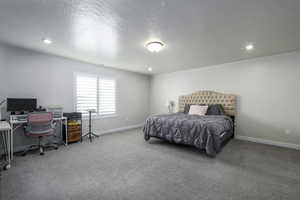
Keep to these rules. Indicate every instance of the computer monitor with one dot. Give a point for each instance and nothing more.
(21, 105)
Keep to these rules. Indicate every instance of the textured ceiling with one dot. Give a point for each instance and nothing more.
(113, 32)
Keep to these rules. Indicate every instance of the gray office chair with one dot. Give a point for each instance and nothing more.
(40, 125)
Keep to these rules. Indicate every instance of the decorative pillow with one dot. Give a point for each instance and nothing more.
(198, 110)
(186, 108)
(215, 109)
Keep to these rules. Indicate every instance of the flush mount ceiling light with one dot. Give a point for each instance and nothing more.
(150, 69)
(47, 41)
(249, 47)
(154, 46)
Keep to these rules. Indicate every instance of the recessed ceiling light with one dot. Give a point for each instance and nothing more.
(47, 41)
(150, 69)
(249, 47)
(154, 46)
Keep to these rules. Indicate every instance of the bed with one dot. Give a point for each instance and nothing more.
(208, 133)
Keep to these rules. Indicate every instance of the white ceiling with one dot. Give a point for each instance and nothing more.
(113, 32)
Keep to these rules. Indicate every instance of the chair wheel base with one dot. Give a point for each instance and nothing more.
(147, 137)
(6, 167)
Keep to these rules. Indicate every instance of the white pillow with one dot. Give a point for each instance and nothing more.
(198, 110)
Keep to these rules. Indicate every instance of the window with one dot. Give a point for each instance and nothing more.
(97, 93)
(107, 96)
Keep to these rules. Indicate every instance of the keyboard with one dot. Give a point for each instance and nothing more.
(21, 118)
(18, 118)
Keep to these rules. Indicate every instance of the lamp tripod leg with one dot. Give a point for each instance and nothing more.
(90, 134)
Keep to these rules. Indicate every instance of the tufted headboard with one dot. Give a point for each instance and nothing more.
(228, 101)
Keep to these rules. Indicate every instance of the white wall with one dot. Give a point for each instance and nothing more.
(268, 91)
(1, 69)
(2, 86)
(26, 73)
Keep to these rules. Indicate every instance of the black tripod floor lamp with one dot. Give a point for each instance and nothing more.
(90, 134)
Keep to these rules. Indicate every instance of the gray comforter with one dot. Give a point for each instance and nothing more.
(204, 132)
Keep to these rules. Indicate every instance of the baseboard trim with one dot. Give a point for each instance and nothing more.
(268, 142)
(120, 129)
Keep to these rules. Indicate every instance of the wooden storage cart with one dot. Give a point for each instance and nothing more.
(74, 127)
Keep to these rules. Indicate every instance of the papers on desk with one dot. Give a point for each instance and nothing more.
(4, 125)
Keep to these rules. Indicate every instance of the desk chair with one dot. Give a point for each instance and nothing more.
(40, 125)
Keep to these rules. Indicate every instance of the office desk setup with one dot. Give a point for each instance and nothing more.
(17, 121)
(7, 131)
(32, 122)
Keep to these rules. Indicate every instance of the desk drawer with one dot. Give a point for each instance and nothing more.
(74, 136)
(74, 131)
(74, 128)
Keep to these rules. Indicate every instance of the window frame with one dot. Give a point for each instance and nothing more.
(98, 76)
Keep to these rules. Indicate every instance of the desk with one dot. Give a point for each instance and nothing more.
(5, 131)
(15, 124)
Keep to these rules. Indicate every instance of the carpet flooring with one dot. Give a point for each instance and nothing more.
(124, 166)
